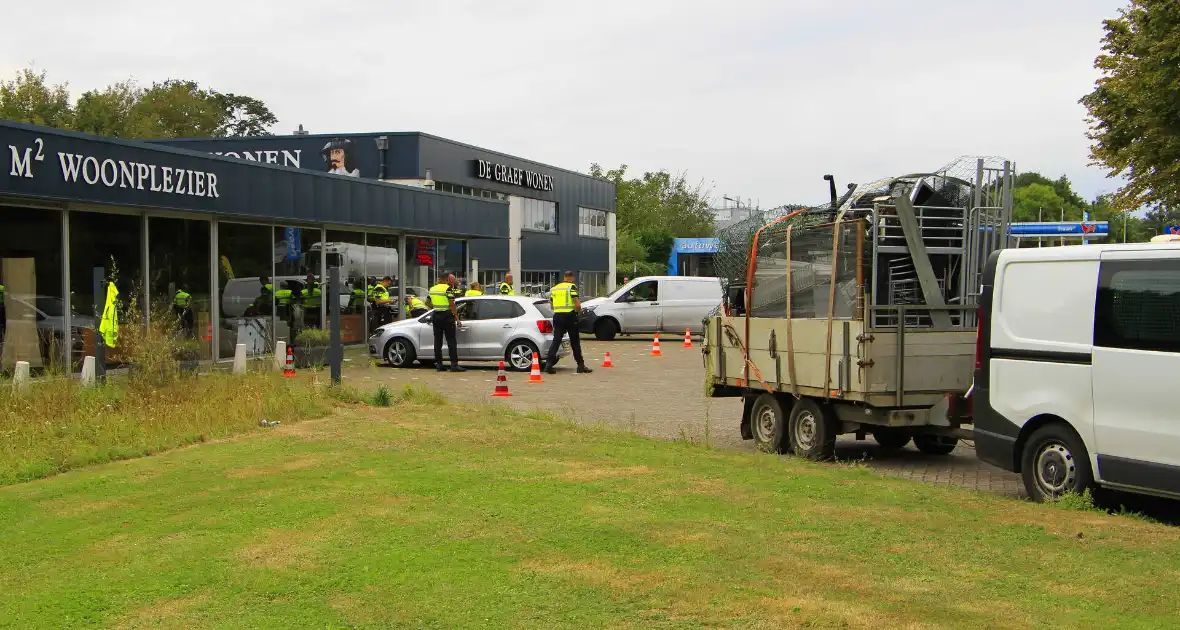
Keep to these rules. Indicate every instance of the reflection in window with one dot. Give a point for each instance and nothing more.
(592, 223)
(538, 215)
(179, 266)
(30, 291)
(111, 241)
(245, 256)
(537, 283)
(592, 284)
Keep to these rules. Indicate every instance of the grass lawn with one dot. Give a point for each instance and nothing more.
(478, 517)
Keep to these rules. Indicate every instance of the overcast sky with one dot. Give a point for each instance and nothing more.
(759, 98)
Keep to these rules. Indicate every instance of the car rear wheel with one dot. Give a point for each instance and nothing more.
(519, 356)
(606, 329)
(399, 353)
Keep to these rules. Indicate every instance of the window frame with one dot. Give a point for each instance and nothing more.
(525, 222)
(590, 221)
(1106, 331)
(516, 309)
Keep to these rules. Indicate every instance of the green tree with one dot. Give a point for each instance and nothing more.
(1039, 202)
(1135, 106)
(29, 98)
(659, 201)
(169, 109)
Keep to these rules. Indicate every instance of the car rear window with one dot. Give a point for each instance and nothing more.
(545, 307)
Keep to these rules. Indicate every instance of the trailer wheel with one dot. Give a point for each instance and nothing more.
(812, 431)
(935, 444)
(892, 438)
(768, 424)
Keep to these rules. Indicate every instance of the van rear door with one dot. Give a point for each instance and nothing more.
(1136, 369)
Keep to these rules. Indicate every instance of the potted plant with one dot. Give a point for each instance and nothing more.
(311, 347)
(187, 353)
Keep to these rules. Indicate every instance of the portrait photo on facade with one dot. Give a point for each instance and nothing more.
(338, 156)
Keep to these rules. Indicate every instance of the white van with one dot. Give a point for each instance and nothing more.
(667, 304)
(1077, 358)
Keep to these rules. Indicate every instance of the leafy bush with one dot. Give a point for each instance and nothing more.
(313, 337)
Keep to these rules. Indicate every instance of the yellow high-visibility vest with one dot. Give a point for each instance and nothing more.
(440, 297)
(563, 296)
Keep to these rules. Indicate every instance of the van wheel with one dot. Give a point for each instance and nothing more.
(812, 431)
(606, 330)
(768, 424)
(1055, 462)
(935, 444)
(892, 438)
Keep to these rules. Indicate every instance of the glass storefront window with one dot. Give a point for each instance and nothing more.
(246, 254)
(178, 261)
(32, 308)
(359, 269)
(112, 241)
(299, 283)
(592, 284)
(431, 259)
(537, 283)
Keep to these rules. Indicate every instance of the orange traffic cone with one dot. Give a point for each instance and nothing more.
(655, 346)
(501, 383)
(687, 338)
(606, 363)
(289, 369)
(209, 332)
(535, 374)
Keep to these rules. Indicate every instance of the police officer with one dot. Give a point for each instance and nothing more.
(382, 311)
(565, 320)
(446, 318)
(474, 289)
(182, 304)
(414, 306)
(506, 286)
(312, 298)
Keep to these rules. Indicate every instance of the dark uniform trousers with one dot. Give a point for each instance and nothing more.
(565, 323)
(444, 326)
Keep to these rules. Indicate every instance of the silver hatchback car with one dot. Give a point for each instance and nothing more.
(493, 328)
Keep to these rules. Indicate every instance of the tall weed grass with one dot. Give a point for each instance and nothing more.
(58, 425)
(55, 424)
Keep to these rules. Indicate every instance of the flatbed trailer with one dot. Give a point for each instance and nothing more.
(860, 317)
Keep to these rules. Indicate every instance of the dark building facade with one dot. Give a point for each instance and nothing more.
(558, 219)
(249, 243)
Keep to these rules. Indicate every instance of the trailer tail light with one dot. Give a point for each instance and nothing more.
(980, 322)
(545, 326)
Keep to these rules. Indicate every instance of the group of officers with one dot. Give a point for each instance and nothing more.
(563, 297)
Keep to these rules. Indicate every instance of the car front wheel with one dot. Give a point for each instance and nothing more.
(399, 353)
(606, 329)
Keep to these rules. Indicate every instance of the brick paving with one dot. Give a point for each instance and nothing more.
(663, 398)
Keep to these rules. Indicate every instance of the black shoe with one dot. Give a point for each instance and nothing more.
(584, 370)
(456, 368)
(441, 369)
(551, 371)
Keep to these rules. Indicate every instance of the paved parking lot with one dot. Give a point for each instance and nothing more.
(663, 398)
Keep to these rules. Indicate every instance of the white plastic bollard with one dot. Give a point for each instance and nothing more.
(280, 355)
(88, 372)
(240, 359)
(20, 376)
